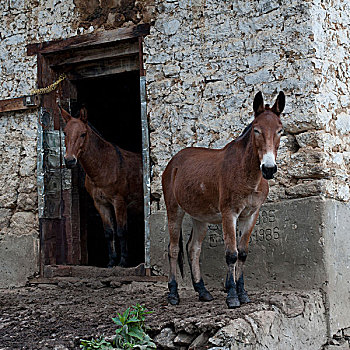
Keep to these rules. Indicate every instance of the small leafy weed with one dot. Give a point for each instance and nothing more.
(130, 332)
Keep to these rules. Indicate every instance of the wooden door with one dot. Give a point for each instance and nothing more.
(58, 198)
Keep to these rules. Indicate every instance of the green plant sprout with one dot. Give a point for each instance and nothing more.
(130, 332)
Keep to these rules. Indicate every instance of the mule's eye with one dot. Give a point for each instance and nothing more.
(257, 132)
(83, 134)
(280, 132)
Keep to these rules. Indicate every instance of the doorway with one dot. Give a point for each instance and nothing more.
(104, 71)
(114, 110)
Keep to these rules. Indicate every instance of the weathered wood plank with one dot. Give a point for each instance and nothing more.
(95, 54)
(46, 76)
(105, 68)
(140, 49)
(15, 104)
(87, 40)
(51, 271)
(113, 280)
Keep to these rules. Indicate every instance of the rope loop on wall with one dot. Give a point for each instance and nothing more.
(49, 88)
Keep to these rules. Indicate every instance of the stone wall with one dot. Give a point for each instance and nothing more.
(331, 71)
(205, 60)
(22, 23)
(18, 195)
(18, 198)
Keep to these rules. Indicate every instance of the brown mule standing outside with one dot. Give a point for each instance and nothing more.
(113, 179)
(222, 186)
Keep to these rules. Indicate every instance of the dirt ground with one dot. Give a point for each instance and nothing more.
(56, 316)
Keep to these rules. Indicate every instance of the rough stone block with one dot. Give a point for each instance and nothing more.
(5, 215)
(27, 201)
(165, 339)
(199, 342)
(183, 339)
(347, 332)
(24, 222)
(237, 333)
(274, 329)
(344, 346)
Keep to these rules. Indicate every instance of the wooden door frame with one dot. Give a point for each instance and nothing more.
(56, 56)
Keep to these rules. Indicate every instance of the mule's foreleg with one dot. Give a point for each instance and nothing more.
(246, 226)
(106, 213)
(229, 229)
(121, 230)
(194, 246)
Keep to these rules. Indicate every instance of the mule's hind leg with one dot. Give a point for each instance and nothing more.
(246, 225)
(106, 212)
(121, 230)
(194, 246)
(175, 216)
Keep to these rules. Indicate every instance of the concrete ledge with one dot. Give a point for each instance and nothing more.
(19, 259)
(300, 244)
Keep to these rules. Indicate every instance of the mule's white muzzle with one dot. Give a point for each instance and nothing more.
(268, 165)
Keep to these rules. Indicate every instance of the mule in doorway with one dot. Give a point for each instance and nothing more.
(113, 179)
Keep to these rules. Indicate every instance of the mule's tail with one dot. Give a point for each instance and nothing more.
(180, 257)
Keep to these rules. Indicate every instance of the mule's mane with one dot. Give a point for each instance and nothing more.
(113, 144)
(95, 130)
(245, 132)
(243, 136)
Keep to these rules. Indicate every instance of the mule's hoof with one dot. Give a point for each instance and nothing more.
(243, 298)
(232, 302)
(206, 296)
(173, 299)
(111, 264)
(123, 263)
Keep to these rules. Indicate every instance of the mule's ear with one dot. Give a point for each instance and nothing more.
(66, 116)
(278, 107)
(83, 115)
(258, 104)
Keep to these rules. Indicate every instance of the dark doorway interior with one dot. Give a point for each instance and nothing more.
(113, 105)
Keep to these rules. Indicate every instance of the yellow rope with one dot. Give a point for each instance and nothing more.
(49, 88)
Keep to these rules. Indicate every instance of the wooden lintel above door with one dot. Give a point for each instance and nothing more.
(88, 40)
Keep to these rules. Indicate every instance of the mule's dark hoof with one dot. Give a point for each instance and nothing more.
(123, 263)
(205, 296)
(173, 299)
(232, 302)
(111, 264)
(243, 298)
